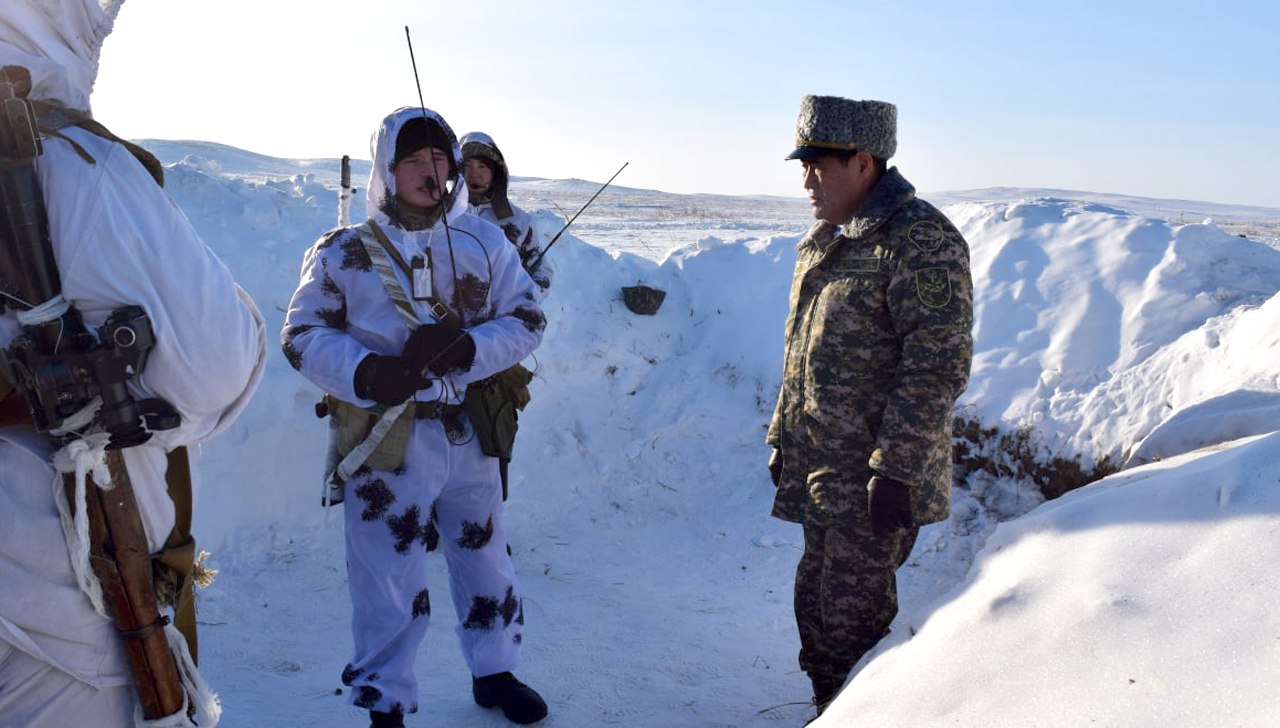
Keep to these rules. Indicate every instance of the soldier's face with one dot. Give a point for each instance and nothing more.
(421, 177)
(479, 176)
(836, 187)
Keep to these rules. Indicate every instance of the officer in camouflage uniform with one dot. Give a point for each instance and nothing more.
(878, 348)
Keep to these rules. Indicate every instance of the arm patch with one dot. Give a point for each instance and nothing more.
(927, 235)
(933, 286)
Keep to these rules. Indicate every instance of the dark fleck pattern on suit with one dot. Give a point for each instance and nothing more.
(422, 604)
(350, 673)
(378, 499)
(470, 296)
(329, 288)
(512, 232)
(354, 256)
(432, 539)
(533, 318)
(332, 236)
(367, 697)
(484, 612)
(407, 528)
(474, 536)
(511, 607)
(291, 354)
(334, 318)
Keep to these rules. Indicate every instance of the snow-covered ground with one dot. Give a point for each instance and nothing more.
(657, 587)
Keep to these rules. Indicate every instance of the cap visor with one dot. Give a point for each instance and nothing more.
(807, 153)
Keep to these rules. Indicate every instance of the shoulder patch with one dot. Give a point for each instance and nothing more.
(927, 235)
(933, 286)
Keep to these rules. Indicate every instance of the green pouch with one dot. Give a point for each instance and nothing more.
(493, 417)
(350, 425)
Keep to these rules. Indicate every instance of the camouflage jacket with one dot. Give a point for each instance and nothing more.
(878, 348)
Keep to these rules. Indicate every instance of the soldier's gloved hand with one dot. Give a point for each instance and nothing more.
(775, 466)
(440, 347)
(387, 380)
(889, 503)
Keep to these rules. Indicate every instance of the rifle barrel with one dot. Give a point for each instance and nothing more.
(538, 259)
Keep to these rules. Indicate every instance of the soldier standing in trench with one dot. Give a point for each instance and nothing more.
(878, 347)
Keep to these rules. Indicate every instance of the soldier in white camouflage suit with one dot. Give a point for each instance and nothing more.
(346, 333)
(878, 348)
(487, 176)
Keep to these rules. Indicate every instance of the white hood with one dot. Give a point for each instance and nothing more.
(382, 181)
(58, 41)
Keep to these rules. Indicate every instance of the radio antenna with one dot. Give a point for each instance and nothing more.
(422, 104)
(446, 198)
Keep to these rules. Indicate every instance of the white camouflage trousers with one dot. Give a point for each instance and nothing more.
(391, 523)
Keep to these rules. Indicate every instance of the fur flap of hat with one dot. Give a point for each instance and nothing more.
(840, 124)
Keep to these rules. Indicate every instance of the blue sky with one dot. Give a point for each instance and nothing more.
(1174, 99)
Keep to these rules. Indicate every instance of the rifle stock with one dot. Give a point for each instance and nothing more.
(121, 559)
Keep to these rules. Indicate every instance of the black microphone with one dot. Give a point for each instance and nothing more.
(431, 184)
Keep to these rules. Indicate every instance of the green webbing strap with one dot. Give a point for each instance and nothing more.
(175, 562)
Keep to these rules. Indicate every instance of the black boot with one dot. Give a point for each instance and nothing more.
(519, 702)
(824, 691)
(385, 720)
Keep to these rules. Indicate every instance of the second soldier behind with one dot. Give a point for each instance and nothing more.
(495, 403)
(487, 181)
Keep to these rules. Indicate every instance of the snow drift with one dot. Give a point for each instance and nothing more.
(658, 590)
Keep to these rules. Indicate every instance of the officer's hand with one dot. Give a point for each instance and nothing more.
(387, 380)
(440, 347)
(775, 466)
(889, 504)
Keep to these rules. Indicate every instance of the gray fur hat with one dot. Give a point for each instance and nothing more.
(833, 124)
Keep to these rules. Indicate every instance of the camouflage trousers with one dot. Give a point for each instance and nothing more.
(846, 594)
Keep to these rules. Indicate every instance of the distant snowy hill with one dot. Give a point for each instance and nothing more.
(623, 221)
(657, 587)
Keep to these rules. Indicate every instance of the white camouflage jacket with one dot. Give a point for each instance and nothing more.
(118, 239)
(341, 311)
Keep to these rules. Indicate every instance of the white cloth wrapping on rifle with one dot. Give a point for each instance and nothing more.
(208, 362)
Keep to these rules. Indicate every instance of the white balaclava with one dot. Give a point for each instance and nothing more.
(381, 195)
(58, 41)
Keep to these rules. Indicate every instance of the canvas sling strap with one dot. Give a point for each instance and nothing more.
(381, 253)
(53, 118)
(491, 403)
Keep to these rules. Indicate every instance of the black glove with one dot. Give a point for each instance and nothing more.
(889, 503)
(387, 380)
(775, 466)
(441, 347)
